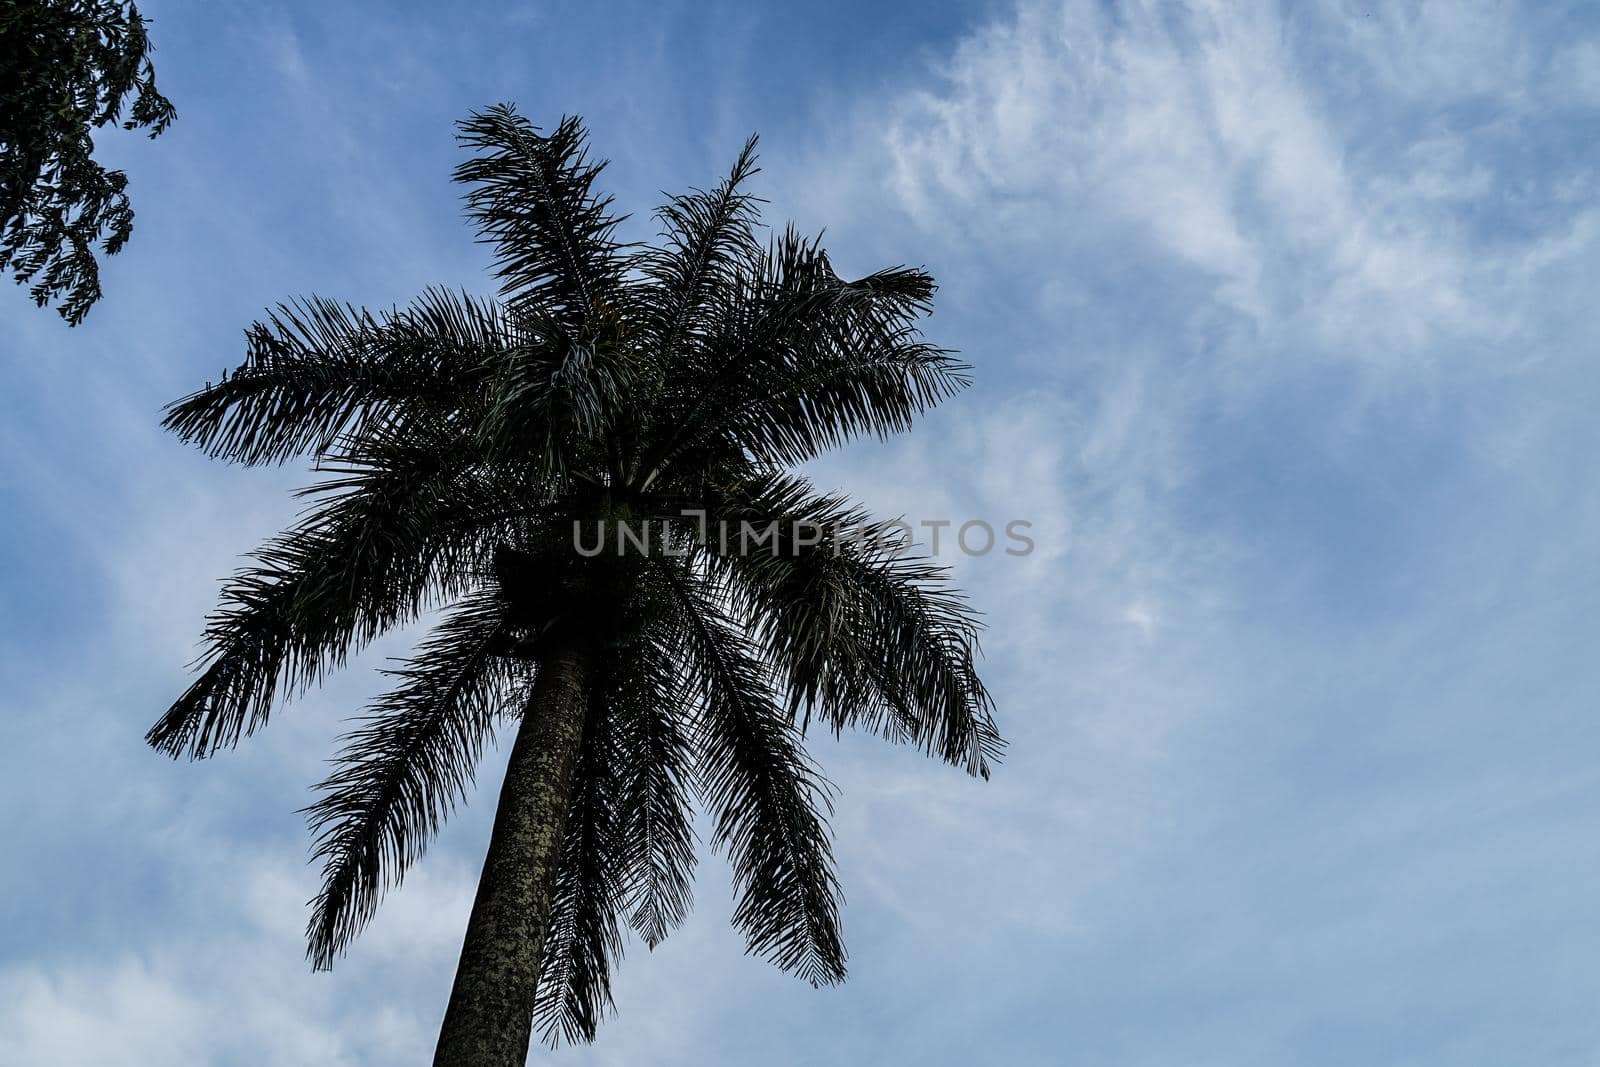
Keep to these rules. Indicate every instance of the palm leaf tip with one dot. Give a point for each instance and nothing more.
(228, 701)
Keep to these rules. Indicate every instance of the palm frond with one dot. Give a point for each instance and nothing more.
(317, 369)
(800, 361)
(404, 523)
(404, 769)
(656, 783)
(708, 238)
(583, 936)
(768, 801)
(532, 198)
(863, 637)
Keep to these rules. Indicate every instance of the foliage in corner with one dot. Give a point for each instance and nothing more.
(69, 68)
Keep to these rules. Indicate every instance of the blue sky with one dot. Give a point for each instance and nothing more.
(1284, 332)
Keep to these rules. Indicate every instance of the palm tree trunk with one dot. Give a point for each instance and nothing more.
(490, 1015)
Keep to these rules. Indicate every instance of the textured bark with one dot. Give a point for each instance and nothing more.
(490, 1015)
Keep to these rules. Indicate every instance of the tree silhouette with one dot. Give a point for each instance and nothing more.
(559, 469)
(69, 67)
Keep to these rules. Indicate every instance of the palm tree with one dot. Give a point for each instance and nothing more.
(509, 462)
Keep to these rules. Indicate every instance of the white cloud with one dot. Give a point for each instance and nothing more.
(1197, 132)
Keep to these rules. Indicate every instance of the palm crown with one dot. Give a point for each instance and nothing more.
(463, 441)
